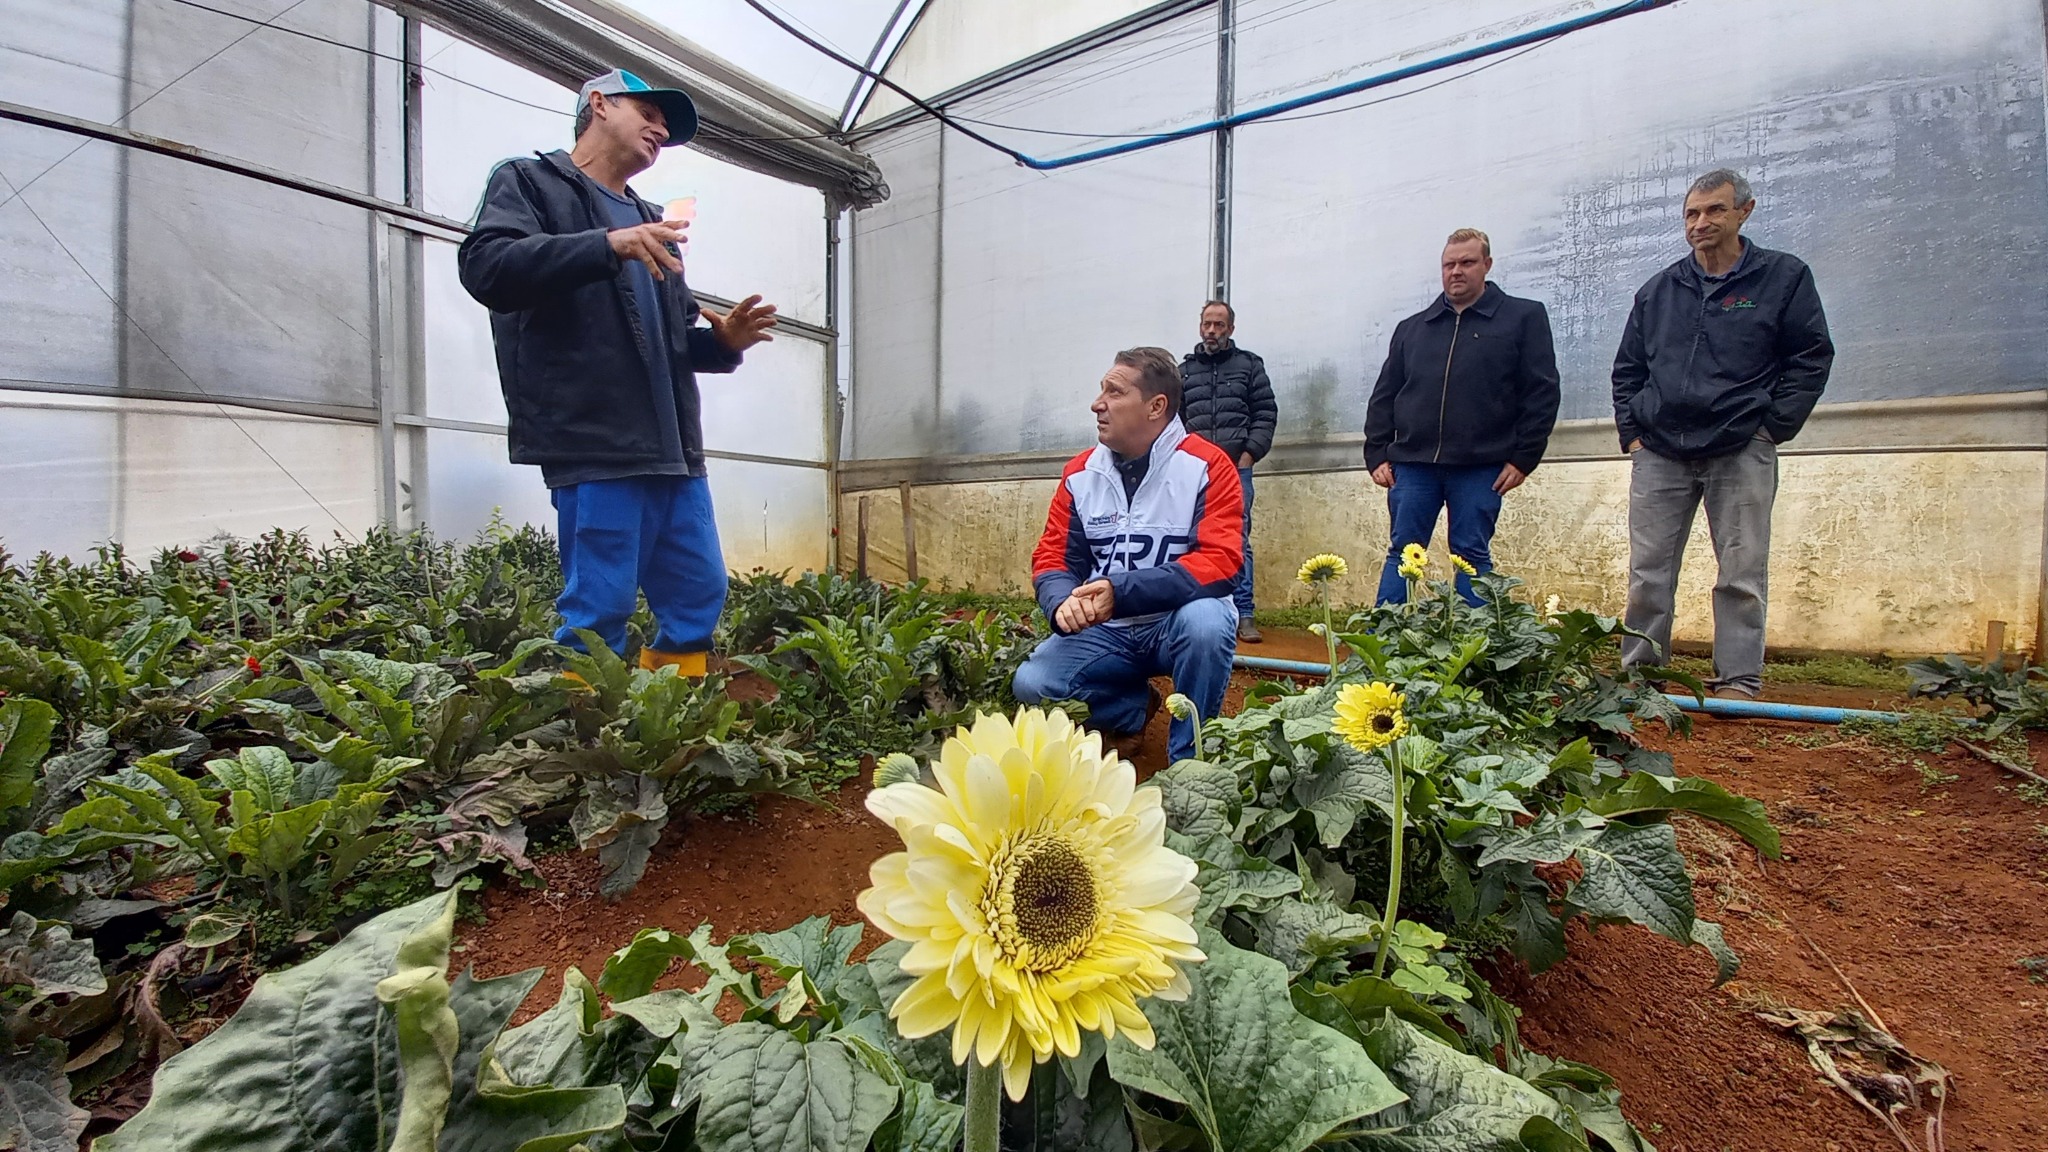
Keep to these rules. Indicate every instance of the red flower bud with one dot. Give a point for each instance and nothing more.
(189, 556)
(255, 668)
(220, 586)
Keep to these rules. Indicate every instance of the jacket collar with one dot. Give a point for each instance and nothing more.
(1487, 304)
(1202, 353)
(1686, 269)
(560, 161)
(1104, 461)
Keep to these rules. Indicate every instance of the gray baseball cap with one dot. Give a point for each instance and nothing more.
(675, 104)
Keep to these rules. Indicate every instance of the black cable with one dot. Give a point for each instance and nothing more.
(847, 62)
(424, 67)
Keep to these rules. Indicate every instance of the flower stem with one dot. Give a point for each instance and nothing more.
(1393, 910)
(1329, 633)
(984, 1106)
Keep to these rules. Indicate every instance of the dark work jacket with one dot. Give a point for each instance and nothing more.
(1702, 369)
(572, 349)
(1478, 387)
(1226, 399)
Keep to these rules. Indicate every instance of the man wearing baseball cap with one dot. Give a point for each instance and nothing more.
(598, 353)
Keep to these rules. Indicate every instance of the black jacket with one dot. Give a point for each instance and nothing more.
(1227, 400)
(1473, 388)
(572, 351)
(1701, 370)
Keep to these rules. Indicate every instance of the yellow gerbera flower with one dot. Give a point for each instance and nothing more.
(1463, 565)
(1369, 715)
(1414, 562)
(1037, 893)
(1322, 569)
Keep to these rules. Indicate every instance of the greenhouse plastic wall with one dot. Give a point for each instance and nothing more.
(192, 351)
(1898, 147)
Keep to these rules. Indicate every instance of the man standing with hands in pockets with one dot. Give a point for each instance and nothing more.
(1462, 412)
(1725, 354)
(598, 353)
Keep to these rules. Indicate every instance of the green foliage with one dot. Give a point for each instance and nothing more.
(2012, 698)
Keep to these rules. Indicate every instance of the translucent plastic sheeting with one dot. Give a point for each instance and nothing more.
(216, 81)
(893, 395)
(462, 368)
(83, 470)
(753, 233)
(956, 41)
(774, 405)
(773, 516)
(1041, 277)
(746, 38)
(469, 479)
(1895, 145)
(126, 269)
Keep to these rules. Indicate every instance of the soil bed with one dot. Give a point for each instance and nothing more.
(1927, 886)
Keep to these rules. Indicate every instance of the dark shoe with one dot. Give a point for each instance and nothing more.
(1248, 633)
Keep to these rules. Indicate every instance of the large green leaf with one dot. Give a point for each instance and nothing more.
(1635, 872)
(36, 1113)
(1357, 1006)
(25, 727)
(575, 1045)
(814, 946)
(48, 960)
(310, 1060)
(929, 1058)
(1298, 933)
(263, 771)
(760, 1089)
(1454, 1102)
(1645, 793)
(1200, 799)
(623, 818)
(1344, 785)
(1255, 1074)
(924, 1121)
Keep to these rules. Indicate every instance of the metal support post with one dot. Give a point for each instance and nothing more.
(1226, 105)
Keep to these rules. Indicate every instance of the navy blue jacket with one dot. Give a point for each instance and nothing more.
(572, 349)
(1703, 368)
(1478, 387)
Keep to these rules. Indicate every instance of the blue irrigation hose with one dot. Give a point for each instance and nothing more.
(1712, 706)
(1492, 48)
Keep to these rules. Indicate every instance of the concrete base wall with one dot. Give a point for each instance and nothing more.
(1902, 553)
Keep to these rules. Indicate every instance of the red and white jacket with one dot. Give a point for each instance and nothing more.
(1179, 537)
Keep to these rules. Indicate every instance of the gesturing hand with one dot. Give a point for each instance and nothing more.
(745, 326)
(648, 243)
(1510, 478)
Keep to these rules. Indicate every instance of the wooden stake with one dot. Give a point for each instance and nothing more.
(1994, 643)
(909, 535)
(860, 553)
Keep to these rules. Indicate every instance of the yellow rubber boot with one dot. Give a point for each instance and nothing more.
(690, 664)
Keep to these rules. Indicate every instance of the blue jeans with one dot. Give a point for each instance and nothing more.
(1106, 667)
(1421, 491)
(651, 533)
(1241, 590)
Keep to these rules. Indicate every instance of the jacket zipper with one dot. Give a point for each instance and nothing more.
(1443, 409)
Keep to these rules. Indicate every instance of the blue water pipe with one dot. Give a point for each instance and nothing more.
(1377, 80)
(1712, 706)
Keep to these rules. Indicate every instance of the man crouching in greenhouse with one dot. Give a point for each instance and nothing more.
(1141, 546)
(598, 354)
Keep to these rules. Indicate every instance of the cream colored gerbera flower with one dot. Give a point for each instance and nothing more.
(1369, 715)
(1322, 569)
(1463, 565)
(1037, 893)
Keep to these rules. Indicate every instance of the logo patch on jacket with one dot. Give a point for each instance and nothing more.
(1730, 303)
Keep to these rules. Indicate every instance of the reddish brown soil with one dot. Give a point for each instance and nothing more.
(1927, 898)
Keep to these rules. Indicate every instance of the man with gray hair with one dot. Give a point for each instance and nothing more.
(1725, 354)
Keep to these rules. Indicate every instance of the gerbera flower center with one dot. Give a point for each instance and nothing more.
(1383, 723)
(1041, 903)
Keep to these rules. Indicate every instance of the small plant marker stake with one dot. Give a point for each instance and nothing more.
(860, 550)
(909, 535)
(1994, 644)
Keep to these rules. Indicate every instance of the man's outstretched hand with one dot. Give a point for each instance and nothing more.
(1090, 604)
(649, 244)
(746, 325)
